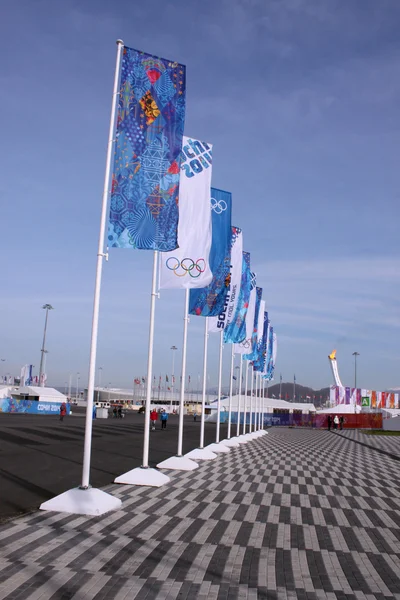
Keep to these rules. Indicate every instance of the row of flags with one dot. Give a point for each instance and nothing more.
(140, 380)
(162, 199)
(26, 377)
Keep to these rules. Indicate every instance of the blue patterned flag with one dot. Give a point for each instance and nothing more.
(235, 331)
(270, 353)
(253, 354)
(260, 363)
(145, 182)
(209, 301)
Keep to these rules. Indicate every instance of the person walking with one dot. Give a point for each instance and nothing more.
(63, 411)
(119, 412)
(341, 421)
(329, 422)
(164, 419)
(335, 422)
(153, 419)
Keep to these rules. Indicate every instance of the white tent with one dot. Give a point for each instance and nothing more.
(268, 405)
(340, 409)
(43, 394)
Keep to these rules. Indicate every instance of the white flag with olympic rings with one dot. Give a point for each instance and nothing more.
(188, 265)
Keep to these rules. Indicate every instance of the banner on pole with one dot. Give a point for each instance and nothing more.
(260, 363)
(145, 181)
(188, 265)
(225, 317)
(235, 331)
(244, 346)
(252, 354)
(209, 301)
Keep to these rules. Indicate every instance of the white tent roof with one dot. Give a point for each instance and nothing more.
(340, 409)
(270, 403)
(390, 412)
(5, 391)
(43, 392)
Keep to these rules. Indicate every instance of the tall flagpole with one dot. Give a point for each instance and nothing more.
(203, 398)
(221, 345)
(99, 269)
(258, 400)
(146, 437)
(240, 396)
(180, 462)
(251, 399)
(245, 396)
(262, 402)
(184, 349)
(201, 452)
(100, 502)
(230, 392)
(145, 475)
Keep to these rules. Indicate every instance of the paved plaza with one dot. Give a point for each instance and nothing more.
(298, 513)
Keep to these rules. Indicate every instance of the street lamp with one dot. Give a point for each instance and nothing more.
(173, 348)
(77, 386)
(109, 383)
(46, 307)
(355, 354)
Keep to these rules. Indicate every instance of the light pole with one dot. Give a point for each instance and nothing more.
(77, 385)
(46, 307)
(173, 348)
(99, 384)
(109, 383)
(280, 387)
(355, 354)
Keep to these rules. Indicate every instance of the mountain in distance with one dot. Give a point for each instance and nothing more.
(316, 397)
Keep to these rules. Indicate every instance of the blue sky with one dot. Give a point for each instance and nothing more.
(300, 99)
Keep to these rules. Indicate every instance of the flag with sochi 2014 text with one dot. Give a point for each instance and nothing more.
(252, 355)
(219, 323)
(244, 346)
(209, 301)
(235, 330)
(145, 182)
(188, 265)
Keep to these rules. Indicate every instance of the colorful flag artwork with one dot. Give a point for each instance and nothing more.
(216, 324)
(244, 346)
(260, 363)
(235, 331)
(252, 355)
(209, 301)
(188, 265)
(147, 160)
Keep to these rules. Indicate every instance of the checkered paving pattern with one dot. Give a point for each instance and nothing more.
(386, 444)
(296, 514)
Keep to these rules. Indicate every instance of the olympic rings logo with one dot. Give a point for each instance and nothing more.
(218, 206)
(246, 344)
(186, 266)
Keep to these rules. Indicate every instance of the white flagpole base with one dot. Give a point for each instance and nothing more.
(143, 476)
(248, 437)
(178, 463)
(78, 501)
(242, 439)
(231, 443)
(218, 448)
(201, 454)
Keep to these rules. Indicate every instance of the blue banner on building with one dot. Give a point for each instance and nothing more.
(31, 407)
